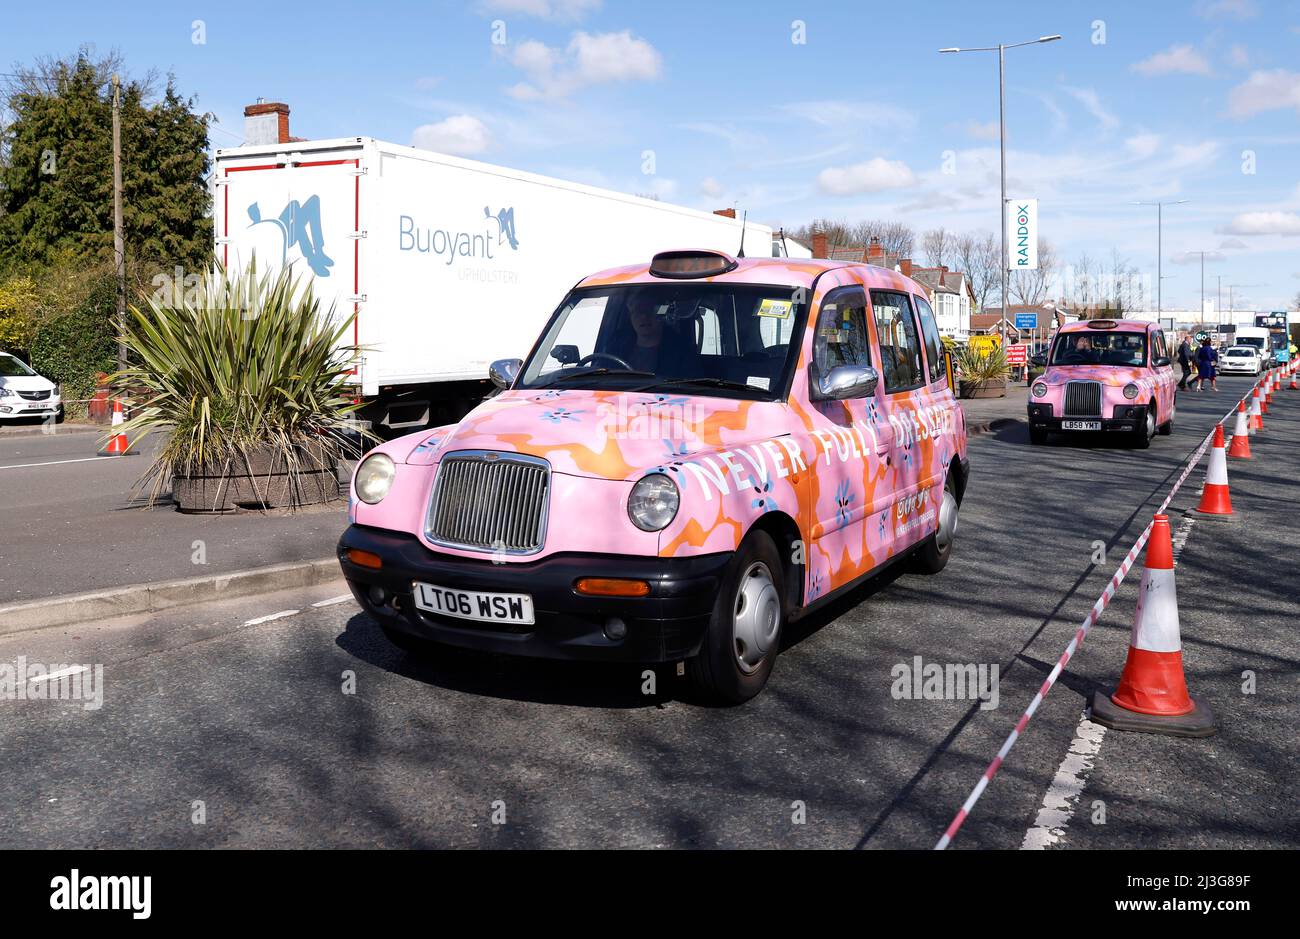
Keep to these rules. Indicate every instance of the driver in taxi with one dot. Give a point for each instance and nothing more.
(648, 327)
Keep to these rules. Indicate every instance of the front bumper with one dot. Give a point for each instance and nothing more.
(668, 625)
(1125, 417)
(12, 408)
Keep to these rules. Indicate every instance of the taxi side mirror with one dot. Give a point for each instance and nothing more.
(847, 381)
(503, 372)
(1162, 361)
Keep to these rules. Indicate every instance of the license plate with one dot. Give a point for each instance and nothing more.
(1080, 425)
(510, 608)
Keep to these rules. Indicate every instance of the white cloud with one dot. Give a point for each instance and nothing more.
(542, 9)
(875, 175)
(458, 135)
(1239, 56)
(589, 59)
(1233, 244)
(711, 187)
(1143, 145)
(1194, 257)
(986, 131)
(1091, 102)
(862, 115)
(1265, 91)
(1176, 60)
(1264, 223)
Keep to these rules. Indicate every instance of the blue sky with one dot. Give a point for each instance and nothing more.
(1196, 100)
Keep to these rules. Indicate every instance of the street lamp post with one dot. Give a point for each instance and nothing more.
(1001, 49)
(1160, 224)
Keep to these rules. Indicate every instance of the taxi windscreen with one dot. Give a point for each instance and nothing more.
(1101, 348)
(717, 339)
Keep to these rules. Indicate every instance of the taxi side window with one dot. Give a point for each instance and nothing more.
(933, 345)
(841, 337)
(1158, 344)
(900, 349)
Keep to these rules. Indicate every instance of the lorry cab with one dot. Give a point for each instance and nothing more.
(1113, 376)
(695, 452)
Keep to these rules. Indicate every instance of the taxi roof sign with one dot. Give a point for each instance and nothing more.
(683, 265)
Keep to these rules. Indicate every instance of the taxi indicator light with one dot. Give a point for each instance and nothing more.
(611, 587)
(1102, 324)
(365, 559)
(683, 265)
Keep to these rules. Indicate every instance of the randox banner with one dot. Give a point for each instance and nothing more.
(1022, 234)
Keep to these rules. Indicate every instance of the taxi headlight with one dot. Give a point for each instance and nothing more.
(1040, 390)
(653, 502)
(1130, 391)
(374, 478)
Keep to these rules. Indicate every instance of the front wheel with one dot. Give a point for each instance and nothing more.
(933, 555)
(1145, 431)
(744, 633)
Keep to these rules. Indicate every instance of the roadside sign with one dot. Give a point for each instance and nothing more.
(1017, 354)
(1026, 321)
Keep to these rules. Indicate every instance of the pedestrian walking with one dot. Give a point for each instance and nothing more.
(1185, 361)
(1206, 360)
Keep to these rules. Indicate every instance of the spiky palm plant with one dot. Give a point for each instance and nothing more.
(980, 368)
(239, 367)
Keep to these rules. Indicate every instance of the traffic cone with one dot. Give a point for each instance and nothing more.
(117, 445)
(1293, 386)
(1240, 448)
(1216, 502)
(1152, 696)
(1256, 414)
(1261, 392)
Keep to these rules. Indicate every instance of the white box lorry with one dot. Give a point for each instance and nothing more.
(449, 263)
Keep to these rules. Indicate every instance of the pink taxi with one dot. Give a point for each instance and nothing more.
(1105, 375)
(696, 452)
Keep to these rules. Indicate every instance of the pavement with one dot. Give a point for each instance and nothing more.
(71, 523)
(984, 415)
(296, 724)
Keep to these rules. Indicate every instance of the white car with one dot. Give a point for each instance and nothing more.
(24, 393)
(1240, 360)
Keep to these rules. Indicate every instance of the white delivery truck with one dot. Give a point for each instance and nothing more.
(449, 263)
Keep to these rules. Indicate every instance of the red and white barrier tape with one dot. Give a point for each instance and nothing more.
(1093, 615)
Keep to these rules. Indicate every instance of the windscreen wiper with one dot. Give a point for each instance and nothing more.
(565, 376)
(706, 381)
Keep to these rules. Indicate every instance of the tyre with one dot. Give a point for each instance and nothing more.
(932, 556)
(1145, 431)
(744, 633)
(1038, 436)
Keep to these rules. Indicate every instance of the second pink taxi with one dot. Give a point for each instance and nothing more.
(697, 451)
(1105, 375)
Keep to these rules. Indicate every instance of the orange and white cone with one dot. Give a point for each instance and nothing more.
(1240, 447)
(1152, 696)
(117, 445)
(1293, 386)
(1256, 415)
(1262, 392)
(1216, 502)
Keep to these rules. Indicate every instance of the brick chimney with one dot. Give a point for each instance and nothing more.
(820, 244)
(874, 249)
(266, 122)
(906, 265)
(725, 213)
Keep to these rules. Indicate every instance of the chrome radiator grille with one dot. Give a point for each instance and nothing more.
(1083, 398)
(490, 501)
(34, 395)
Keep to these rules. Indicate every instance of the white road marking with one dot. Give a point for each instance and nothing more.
(266, 619)
(88, 459)
(61, 673)
(333, 600)
(1062, 796)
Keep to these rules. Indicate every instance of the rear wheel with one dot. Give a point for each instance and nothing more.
(932, 556)
(740, 646)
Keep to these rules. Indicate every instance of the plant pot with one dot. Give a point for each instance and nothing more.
(262, 481)
(982, 389)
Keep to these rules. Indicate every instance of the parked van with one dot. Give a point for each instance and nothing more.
(697, 451)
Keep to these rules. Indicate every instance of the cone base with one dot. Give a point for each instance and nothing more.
(1197, 513)
(1198, 723)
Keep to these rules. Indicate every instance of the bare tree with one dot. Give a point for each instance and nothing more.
(978, 255)
(895, 237)
(936, 244)
(1029, 288)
